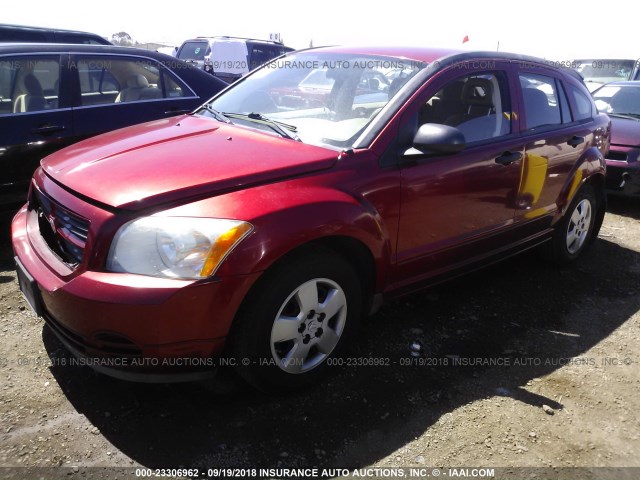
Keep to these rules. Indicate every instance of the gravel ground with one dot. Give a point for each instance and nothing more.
(522, 365)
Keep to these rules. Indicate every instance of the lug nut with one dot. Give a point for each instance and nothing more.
(318, 332)
(311, 314)
(322, 316)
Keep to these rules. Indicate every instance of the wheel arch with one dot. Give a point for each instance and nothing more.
(354, 252)
(590, 168)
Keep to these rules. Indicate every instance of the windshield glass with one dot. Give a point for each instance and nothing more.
(605, 71)
(328, 99)
(618, 99)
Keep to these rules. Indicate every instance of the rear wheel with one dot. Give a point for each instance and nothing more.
(301, 314)
(575, 231)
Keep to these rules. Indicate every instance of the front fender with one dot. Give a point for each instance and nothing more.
(287, 215)
(307, 216)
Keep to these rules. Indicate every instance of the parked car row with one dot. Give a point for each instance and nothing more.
(615, 86)
(229, 58)
(621, 101)
(264, 225)
(52, 95)
(598, 71)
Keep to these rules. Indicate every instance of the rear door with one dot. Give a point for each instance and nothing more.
(35, 118)
(555, 138)
(115, 91)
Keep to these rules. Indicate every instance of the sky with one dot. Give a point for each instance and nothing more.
(551, 29)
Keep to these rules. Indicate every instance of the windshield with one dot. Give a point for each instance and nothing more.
(605, 71)
(618, 99)
(193, 51)
(327, 99)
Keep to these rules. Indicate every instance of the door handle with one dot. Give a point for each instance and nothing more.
(575, 141)
(507, 158)
(176, 112)
(48, 129)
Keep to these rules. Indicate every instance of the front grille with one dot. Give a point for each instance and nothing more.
(64, 231)
(618, 156)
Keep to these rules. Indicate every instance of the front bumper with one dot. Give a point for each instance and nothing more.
(130, 326)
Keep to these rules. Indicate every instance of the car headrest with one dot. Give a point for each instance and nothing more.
(452, 91)
(534, 98)
(32, 86)
(477, 91)
(137, 81)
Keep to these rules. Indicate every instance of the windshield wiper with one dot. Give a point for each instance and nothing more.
(278, 127)
(216, 114)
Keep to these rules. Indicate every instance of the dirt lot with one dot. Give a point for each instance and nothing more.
(514, 338)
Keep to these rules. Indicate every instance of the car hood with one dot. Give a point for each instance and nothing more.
(625, 131)
(178, 159)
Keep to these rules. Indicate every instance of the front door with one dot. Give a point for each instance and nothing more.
(456, 208)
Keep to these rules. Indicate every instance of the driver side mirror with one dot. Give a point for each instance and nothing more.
(436, 139)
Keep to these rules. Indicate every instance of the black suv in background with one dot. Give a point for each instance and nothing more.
(229, 58)
(24, 34)
(53, 95)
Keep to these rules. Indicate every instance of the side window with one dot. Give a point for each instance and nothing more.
(29, 84)
(541, 106)
(478, 105)
(171, 88)
(195, 50)
(105, 80)
(7, 76)
(260, 54)
(584, 107)
(95, 80)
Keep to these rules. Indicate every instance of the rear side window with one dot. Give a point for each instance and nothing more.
(541, 105)
(193, 51)
(106, 80)
(261, 54)
(29, 84)
(583, 105)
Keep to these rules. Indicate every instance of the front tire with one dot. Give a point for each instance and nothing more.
(301, 314)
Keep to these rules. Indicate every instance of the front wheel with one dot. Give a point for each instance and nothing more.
(300, 315)
(574, 232)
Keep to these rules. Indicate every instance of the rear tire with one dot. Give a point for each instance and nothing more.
(301, 314)
(574, 233)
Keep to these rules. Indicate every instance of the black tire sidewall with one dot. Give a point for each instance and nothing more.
(561, 252)
(251, 338)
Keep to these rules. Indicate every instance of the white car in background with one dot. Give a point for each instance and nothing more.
(598, 71)
(229, 58)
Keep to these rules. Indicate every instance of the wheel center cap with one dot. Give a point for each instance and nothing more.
(312, 327)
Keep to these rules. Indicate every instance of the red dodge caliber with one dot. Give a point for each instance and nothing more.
(260, 228)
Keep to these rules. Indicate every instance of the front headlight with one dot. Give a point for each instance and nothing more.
(175, 247)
